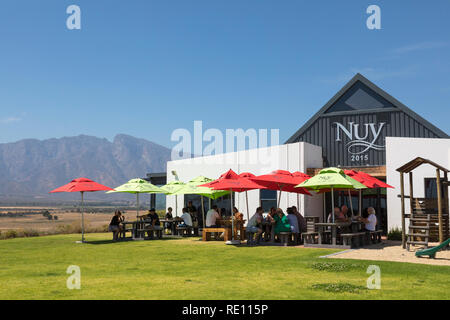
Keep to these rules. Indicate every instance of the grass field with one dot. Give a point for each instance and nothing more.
(35, 268)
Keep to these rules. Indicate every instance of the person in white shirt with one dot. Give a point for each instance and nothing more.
(187, 219)
(254, 224)
(371, 220)
(211, 217)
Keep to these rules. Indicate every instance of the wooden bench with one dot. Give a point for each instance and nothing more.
(122, 233)
(184, 231)
(251, 238)
(206, 234)
(284, 237)
(151, 232)
(349, 239)
(310, 237)
(375, 236)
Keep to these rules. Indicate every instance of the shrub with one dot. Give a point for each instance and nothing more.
(395, 234)
(11, 234)
(333, 266)
(31, 233)
(338, 287)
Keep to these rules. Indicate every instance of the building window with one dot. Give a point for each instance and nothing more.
(431, 189)
(268, 199)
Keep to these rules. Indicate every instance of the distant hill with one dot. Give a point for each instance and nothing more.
(30, 168)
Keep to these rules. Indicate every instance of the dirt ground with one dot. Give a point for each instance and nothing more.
(393, 251)
(40, 223)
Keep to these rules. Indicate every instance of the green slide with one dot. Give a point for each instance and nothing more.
(431, 252)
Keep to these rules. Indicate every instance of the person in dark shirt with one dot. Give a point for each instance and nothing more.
(169, 216)
(114, 225)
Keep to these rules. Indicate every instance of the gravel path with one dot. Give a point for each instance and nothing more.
(393, 251)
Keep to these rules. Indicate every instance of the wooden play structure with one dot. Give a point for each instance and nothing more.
(428, 218)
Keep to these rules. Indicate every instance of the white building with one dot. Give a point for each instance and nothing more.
(362, 128)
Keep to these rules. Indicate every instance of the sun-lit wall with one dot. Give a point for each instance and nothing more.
(292, 157)
(402, 150)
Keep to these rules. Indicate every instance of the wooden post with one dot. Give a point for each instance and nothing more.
(411, 193)
(402, 194)
(439, 196)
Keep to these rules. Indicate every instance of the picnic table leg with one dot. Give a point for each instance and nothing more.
(319, 236)
(333, 235)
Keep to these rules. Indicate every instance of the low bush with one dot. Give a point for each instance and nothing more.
(338, 287)
(395, 234)
(333, 266)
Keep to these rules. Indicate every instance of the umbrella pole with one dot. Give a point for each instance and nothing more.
(298, 202)
(232, 216)
(137, 204)
(176, 206)
(82, 216)
(360, 203)
(350, 199)
(203, 213)
(246, 200)
(332, 203)
(279, 197)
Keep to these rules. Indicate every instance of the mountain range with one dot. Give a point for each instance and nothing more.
(30, 168)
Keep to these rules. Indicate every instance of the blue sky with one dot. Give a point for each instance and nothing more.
(145, 68)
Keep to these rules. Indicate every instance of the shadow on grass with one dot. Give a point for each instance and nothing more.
(96, 242)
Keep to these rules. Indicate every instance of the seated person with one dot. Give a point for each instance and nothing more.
(212, 217)
(269, 222)
(168, 216)
(254, 224)
(281, 222)
(223, 213)
(338, 216)
(187, 219)
(153, 218)
(193, 214)
(237, 214)
(114, 225)
(301, 220)
(293, 221)
(370, 221)
(345, 212)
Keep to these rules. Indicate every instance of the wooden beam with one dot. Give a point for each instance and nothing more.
(376, 171)
(411, 193)
(439, 196)
(402, 194)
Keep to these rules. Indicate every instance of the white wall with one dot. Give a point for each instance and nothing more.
(293, 157)
(402, 150)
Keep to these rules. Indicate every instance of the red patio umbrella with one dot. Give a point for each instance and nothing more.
(367, 180)
(247, 175)
(304, 177)
(231, 181)
(282, 180)
(82, 185)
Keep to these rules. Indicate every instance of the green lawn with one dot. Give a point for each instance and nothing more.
(35, 268)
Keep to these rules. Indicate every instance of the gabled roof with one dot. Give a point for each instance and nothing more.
(410, 166)
(398, 105)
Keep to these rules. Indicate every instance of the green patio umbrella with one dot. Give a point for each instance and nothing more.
(171, 188)
(331, 178)
(137, 186)
(192, 187)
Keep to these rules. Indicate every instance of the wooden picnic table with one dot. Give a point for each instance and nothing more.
(136, 226)
(354, 225)
(238, 225)
(265, 223)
